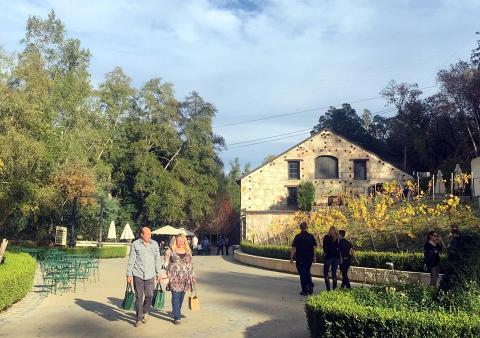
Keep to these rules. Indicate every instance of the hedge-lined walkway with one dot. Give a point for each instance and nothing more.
(236, 301)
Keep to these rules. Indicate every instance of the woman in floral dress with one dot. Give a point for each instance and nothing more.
(180, 273)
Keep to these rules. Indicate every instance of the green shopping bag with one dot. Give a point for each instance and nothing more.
(129, 299)
(158, 301)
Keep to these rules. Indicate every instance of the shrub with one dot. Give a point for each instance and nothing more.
(375, 312)
(463, 264)
(103, 252)
(406, 261)
(16, 278)
(306, 196)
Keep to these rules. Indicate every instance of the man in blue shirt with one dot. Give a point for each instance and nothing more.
(144, 263)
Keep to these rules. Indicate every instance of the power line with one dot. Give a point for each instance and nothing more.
(271, 140)
(302, 111)
(268, 137)
(276, 137)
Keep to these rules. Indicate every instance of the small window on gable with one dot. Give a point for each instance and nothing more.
(359, 170)
(293, 170)
(326, 167)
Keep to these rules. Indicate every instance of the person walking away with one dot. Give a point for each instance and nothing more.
(431, 253)
(144, 263)
(195, 245)
(346, 256)
(206, 246)
(303, 250)
(220, 244)
(180, 273)
(332, 256)
(227, 245)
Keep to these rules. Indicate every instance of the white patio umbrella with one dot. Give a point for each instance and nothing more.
(112, 233)
(168, 230)
(439, 184)
(127, 233)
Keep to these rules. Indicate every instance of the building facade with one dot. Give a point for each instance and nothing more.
(336, 167)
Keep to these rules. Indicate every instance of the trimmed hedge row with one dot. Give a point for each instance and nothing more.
(338, 314)
(103, 252)
(16, 278)
(406, 261)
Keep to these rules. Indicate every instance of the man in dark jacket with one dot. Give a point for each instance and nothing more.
(303, 249)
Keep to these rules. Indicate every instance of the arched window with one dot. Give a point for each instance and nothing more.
(326, 167)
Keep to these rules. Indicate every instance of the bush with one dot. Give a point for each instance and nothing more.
(377, 312)
(16, 278)
(406, 261)
(103, 252)
(306, 196)
(463, 264)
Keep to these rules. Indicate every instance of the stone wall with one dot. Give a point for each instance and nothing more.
(259, 232)
(356, 273)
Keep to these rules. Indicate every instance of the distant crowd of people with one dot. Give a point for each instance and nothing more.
(338, 252)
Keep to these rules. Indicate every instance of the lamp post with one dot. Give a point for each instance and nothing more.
(72, 240)
(102, 207)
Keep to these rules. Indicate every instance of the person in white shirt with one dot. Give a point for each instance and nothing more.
(195, 245)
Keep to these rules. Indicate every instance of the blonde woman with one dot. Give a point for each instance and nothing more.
(332, 256)
(180, 273)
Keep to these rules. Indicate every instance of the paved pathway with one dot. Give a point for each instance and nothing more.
(236, 301)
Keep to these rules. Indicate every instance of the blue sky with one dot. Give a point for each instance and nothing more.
(253, 59)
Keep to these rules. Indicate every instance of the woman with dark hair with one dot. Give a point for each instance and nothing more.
(332, 256)
(431, 253)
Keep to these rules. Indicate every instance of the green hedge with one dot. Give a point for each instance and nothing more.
(340, 314)
(16, 278)
(406, 261)
(103, 252)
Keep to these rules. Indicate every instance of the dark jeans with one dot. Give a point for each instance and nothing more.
(226, 249)
(177, 300)
(344, 269)
(434, 271)
(220, 248)
(143, 287)
(303, 268)
(332, 262)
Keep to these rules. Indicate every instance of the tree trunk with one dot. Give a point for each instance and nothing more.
(405, 157)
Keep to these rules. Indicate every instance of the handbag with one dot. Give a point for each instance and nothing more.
(193, 302)
(128, 300)
(158, 301)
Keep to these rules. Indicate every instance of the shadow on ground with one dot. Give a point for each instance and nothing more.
(282, 302)
(112, 311)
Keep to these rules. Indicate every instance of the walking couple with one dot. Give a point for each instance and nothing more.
(145, 266)
(338, 251)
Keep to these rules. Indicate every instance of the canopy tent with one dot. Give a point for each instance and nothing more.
(127, 233)
(112, 233)
(169, 230)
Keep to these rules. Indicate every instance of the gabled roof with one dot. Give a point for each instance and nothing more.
(308, 138)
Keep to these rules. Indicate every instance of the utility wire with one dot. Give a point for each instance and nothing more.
(301, 111)
(276, 137)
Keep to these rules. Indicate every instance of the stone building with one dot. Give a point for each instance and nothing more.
(335, 165)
